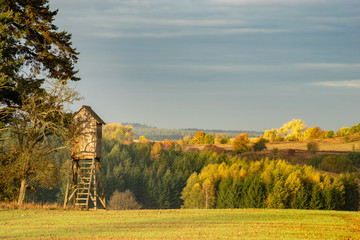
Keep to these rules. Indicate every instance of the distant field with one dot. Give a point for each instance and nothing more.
(179, 224)
(334, 144)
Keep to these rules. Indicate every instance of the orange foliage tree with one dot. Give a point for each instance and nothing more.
(242, 143)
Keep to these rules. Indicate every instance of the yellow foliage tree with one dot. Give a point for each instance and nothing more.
(199, 137)
(156, 151)
(116, 131)
(242, 143)
(314, 133)
(142, 139)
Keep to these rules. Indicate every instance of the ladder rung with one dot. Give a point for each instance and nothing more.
(81, 204)
(77, 199)
(82, 194)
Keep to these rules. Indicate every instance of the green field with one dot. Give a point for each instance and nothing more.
(179, 224)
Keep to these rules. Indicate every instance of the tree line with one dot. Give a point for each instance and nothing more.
(296, 130)
(160, 134)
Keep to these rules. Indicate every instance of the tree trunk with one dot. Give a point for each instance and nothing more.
(22, 192)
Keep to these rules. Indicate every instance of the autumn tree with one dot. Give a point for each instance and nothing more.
(199, 137)
(208, 139)
(314, 133)
(271, 134)
(156, 151)
(42, 118)
(116, 131)
(293, 130)
(290, 131)
(142, 139)
(242, 143)
(31, 49)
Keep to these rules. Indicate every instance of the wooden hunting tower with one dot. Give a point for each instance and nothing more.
(85, 182)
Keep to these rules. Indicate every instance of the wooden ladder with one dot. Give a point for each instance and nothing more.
(86, 177)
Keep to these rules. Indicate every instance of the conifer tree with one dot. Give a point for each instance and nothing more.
(316, 201)
(301, 200)
(31, 47)
(352, 194)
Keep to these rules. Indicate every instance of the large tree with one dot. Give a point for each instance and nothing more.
(40, 127)
(31, 49)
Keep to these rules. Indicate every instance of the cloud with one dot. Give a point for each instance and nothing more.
(186, 33)
(329, 65)
(271, 2)
(340, 84)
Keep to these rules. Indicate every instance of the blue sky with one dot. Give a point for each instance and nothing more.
(217, 64)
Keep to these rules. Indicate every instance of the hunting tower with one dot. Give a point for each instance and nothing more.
(85, 182)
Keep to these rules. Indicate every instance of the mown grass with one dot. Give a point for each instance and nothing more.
(179, 224)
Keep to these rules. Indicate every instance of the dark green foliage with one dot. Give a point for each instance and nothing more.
(354, 158)
(229, 193)
(253, 193)
(316, 200)
(316, 160)
(31, 48)
(260, 145)
(352, 195)
(337, 164)
(156, 183)
(301, 200)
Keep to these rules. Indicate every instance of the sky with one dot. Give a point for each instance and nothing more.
(217, 64)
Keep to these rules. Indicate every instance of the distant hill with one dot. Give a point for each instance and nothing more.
(160, 134)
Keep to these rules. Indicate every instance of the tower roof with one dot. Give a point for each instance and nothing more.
(93, 114)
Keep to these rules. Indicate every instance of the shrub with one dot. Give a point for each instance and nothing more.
(337, 164)
(354, 158)
(209, 139)
(346, 138)
(275, 151)
(291, 152)
(279, 138)
(316, 160)
(329, 134)
(260, 144)
(123, 201)
(312, 147)
(342, 132)
(214, 148)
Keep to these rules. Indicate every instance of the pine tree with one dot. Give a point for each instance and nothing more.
(222, 193)
(31, 48)
(352, 194)
(253, 194)
(301, 200)
(316, 201)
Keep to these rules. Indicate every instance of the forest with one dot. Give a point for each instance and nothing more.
(160, 134)
(169, 178)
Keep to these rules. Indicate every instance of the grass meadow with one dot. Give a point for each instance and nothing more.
(179, 224)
